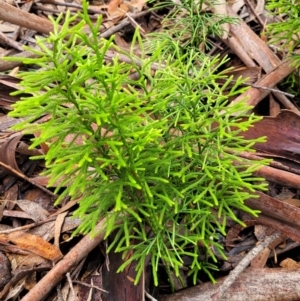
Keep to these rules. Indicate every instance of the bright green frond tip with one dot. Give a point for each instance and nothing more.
(159, 152)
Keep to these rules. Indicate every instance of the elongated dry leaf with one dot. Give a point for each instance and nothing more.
(58, 227)
(36, 212)
(35, 244)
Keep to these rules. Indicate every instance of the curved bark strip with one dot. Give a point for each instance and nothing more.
(9, 13)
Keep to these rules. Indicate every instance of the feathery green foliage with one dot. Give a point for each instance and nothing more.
(190, 24)
(159, 152)
(285, 31)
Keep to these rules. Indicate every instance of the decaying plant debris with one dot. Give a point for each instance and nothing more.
(36, 234)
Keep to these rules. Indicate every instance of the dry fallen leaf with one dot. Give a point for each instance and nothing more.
(289, 263)
(113, 6)
(261, 259)
(58, 227)
(34, 244)
(136, 5)
(36, 212)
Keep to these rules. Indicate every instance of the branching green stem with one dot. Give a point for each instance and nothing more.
(152, 151)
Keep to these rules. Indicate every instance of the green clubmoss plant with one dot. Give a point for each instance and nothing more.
(192, 23)
(285, 33)
(159, 152)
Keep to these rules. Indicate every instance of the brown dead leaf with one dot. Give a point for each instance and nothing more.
(6, 122)
(11, 194)
(261, 259)
(41, 180)
(4, 239)
(30, 281)
(8, 84)
(35, 244)
(15, 292)
(252, 74)
(22, 262)
(284, 195)
(120, 42)
(7, 152)
(7, 28)
(294, 202)
(260, 232)
(289, 263)
(36, 212)
(274, 106)
(58, 227)
(136, 5)
(9, 81)
(47, 230)
(113, 6)
(38, 196)
(5, 270)
(119, 13)
(233, 232)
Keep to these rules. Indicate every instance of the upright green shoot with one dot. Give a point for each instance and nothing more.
(153, 151)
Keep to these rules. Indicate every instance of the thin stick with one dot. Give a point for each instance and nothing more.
(260, 21)
(150, 297)
(91, 286)
(20, 175)
(10, 42)
(71, 286)
(74, 5)
(122, 24)
(271, 89)
(28, 226)
(234, 274)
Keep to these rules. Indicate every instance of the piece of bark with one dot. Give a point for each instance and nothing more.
(275, 164)
(277, 215)
(282, 177)
(281, 132)
(291, 231)
(274, 284)
(11, 14)
(234, 44)
(275, 209)
(10, 42)
(120, 285)
(252, 43)
(250, 48)
(254, 95)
